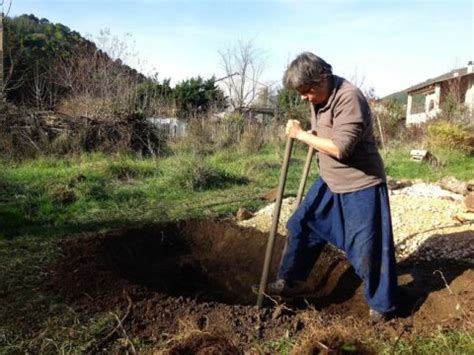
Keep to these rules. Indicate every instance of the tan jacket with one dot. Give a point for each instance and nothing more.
(347, 121)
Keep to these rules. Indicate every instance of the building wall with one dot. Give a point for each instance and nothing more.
(469, 100)
(432, 100)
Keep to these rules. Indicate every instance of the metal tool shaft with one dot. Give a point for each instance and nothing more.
(304, 178)
(276, 216)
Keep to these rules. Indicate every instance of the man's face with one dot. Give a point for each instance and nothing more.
(316, 94)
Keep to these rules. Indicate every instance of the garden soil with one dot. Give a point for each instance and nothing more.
(187, 286)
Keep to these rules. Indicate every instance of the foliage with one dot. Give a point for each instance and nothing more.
(253, 138)
(449, 135)
(31, 44)
(48, 63)
(290, 105)
(391, 117)
(197, 95)
(453, 109)
(228, 132)
(25, 136)
(151, 96)
(399, 97)
(193, 172)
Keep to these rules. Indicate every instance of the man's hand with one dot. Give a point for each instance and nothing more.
(323, 145)
(293, 129)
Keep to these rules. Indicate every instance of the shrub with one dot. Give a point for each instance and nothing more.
(229, 131)
(194, 173)
(454, 110)
(390, 116)
(451, 136)
(64, 195)
(253, 138)
(88, 106)
(35, 134)
(129, 169)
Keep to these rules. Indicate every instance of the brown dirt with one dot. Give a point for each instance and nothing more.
(193, 278)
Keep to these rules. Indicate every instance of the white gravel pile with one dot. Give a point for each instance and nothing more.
(423, 223)
(427, 190)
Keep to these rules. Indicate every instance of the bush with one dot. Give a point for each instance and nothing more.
(192, 172)
(451, 136)
(88, 106)
(229, 131)
(253, 138)
(391, 117)
(454, 110)
(34, 134)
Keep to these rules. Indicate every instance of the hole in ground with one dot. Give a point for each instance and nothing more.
(210, 261)
(205, 260)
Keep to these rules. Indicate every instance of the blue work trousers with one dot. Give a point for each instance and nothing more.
(358, 223)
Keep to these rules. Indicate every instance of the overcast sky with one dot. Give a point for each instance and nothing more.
(392, 44)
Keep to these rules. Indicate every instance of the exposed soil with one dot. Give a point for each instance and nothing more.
(193, 278)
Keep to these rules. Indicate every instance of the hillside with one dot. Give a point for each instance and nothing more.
(400, 97)
(42, 62)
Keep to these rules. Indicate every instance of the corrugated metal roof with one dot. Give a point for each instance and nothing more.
(450, 75)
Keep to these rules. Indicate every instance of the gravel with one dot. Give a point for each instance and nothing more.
(424, 223)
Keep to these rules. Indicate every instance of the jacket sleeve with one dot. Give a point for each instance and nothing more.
(351, 116)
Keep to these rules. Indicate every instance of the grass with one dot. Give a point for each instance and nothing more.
(399, 166)
(441, 343)
(44, 200)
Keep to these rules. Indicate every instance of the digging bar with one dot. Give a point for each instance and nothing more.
(304, 178)
(276, 215)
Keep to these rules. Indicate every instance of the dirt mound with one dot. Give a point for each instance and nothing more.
(194, 277)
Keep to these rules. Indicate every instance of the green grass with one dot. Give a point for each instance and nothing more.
(44, 200)
(95, 191)
(399, 166)
(442, 343)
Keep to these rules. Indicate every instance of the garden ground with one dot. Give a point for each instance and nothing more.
(114, 254)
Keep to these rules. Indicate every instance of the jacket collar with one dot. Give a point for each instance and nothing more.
(337, 81)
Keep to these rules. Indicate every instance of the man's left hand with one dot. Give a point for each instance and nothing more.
(293, 128)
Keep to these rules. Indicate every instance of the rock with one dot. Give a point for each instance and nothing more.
(469, 201)
(393, 184)
(243, 214)
(270, 195)
(452, 184)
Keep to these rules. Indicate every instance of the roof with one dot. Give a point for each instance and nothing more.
(450, 75)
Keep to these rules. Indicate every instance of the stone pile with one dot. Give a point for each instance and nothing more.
(424, 223)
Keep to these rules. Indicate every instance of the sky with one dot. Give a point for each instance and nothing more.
(385, 45)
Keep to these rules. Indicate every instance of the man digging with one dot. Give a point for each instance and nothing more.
(348, 205)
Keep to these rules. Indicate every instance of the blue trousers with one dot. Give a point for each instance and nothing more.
(358, 223)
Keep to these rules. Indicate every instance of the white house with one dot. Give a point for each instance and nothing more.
(425, 99)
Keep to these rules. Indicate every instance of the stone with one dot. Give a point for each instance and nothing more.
(452, 184)
(243, 214)
(469, 201)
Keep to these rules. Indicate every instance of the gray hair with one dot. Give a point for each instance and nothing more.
(306, 70)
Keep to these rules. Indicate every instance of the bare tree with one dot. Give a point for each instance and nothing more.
(96, 77)
(38, 87)
(247, 60)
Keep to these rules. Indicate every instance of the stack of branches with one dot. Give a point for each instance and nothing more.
(26, 135)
